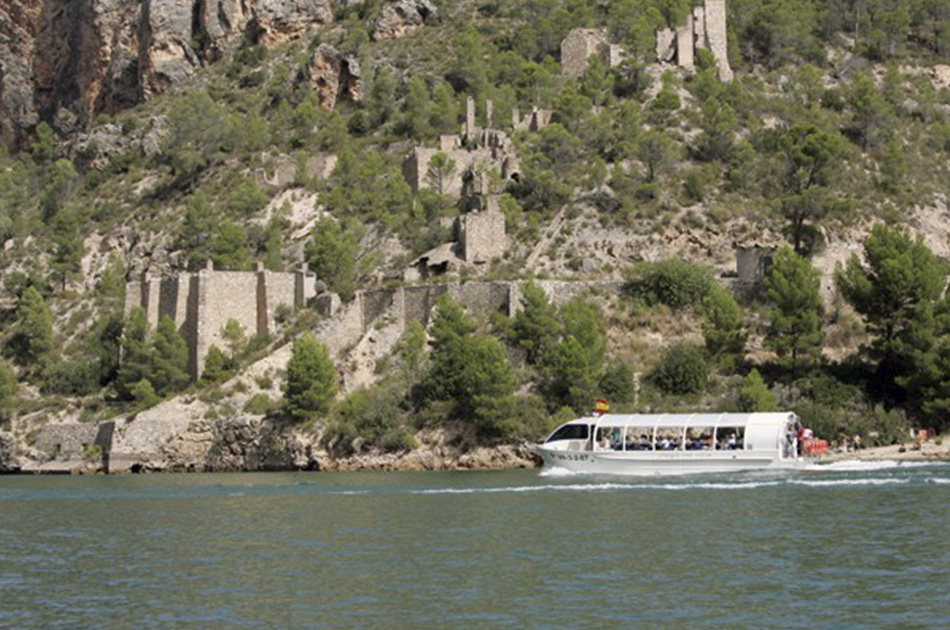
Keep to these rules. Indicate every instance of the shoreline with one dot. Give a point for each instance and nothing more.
(500, 457)
(929, 451)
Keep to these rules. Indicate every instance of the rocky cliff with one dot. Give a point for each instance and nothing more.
(65, 61)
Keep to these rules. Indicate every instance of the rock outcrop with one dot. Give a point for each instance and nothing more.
(334, 77)
(9, 463)
(397, 18)
(64, 61)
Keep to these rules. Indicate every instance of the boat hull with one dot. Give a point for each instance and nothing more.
(663, 462)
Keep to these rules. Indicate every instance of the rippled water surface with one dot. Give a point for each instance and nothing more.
(850, 546)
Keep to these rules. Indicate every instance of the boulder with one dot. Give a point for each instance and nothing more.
(397, 18)
(9, 462)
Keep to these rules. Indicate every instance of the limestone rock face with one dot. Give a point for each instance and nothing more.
(165, 52)
(399, 17)
(64, 61)
(334, 77)
(277, 21)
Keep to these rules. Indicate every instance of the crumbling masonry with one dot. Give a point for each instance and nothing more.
(201, 303)
(580, 44)
(477, 150)
(704, 29)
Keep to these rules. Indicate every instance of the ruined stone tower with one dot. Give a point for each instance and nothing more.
(704, 29)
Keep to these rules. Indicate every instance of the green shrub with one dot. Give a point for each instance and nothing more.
(754, 394)
(338, 438)
(683, 369)
(675, 283)
(396, 440)
(261, 405)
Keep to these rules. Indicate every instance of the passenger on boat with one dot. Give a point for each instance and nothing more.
(731, 443)
(644, 443)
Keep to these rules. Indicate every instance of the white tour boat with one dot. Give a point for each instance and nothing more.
(629, 444)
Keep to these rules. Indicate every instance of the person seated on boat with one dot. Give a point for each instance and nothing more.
(616, 443)
(664, 444)
(731, 443)
(645, 443)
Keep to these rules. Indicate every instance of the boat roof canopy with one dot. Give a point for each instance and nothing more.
(667, 420)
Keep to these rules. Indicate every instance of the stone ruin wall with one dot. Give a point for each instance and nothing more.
(418, 303)
(578, 46)
(67, 439)
(483, 236)
(704, 29)
(201, 303)
(716, 38)
(476, 150)
(225, 295)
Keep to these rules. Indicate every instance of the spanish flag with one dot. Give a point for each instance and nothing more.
(601, 406)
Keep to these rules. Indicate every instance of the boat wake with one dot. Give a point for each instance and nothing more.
(862, 465)
(686, 486)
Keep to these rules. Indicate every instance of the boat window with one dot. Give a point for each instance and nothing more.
(669, 439)
(699, 438)
(638, 439)
(730, 438)
(570, 432)
(609, 439)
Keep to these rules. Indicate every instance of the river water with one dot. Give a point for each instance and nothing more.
(850, 546)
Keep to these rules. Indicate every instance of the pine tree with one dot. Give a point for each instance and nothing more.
(795, 330)
(444, 111)
(217, 366)
(331, 254)
(229, 248)
(69, 246)
(381, 98)
(535, 327)
(416, 114)
(108, 346)
(197, 230)
(135, 364)
(719, 129)
(311, 379)
(8, 389)
(723, 328)
(441, 168)
(35, 330)
(895, 289)
(235, 336)
(169, 358)
(468, 369)
(811, 158)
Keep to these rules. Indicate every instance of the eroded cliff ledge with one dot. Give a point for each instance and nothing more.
(65, 61)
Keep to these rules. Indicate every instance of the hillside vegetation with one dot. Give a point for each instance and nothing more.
(838, 120)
